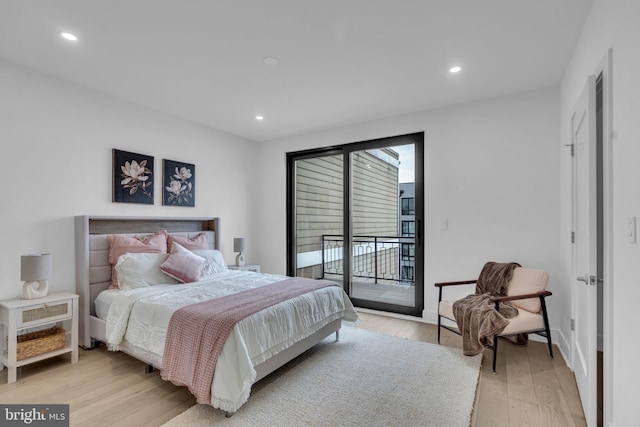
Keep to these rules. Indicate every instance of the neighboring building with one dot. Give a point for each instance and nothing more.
(407, 229)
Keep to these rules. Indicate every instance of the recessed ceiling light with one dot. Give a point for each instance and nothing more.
(455, 69)
(69, 36)
(269, 60)
(259, 118)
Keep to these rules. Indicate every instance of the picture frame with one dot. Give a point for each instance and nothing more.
(179, 183)
(132, 177)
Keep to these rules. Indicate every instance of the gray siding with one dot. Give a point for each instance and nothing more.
(319, 200)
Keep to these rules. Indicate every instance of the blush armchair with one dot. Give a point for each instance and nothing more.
(526, 291)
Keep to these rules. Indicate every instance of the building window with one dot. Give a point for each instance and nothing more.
(408, 228)
(408, 251)
(408, 206)
(407, 273)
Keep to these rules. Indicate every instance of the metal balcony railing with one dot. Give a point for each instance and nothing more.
(379, 259)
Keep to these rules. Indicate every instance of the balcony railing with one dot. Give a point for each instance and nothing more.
(378, 259)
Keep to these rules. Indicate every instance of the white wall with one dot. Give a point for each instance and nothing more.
(56, 140)
(492, 170)
(614, 24)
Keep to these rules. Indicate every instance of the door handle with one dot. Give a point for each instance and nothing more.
(588, 280)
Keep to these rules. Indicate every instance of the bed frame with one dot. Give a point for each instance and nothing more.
(93, 273)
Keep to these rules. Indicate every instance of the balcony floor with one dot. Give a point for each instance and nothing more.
(391, 293)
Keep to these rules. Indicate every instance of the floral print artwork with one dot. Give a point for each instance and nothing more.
(136, 176)
(179, 183)
(132, 177)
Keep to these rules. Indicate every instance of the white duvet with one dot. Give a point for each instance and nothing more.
(138, 319)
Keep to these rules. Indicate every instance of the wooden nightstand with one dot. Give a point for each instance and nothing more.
(246, 267)
(20, 314)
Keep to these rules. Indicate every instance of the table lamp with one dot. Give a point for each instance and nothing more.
(35, 270)
(240, 246)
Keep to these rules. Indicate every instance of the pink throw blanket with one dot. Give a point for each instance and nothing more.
(197, 333)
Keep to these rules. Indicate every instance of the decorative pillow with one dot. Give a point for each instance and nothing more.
(214, 262)
(199, 241)
(120, 245)
(141, 269)
(527, 281)
(183, 265)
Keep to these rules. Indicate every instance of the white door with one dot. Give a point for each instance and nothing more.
(584, 294)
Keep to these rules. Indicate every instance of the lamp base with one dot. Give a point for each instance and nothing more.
(35, 289)
(240, 259)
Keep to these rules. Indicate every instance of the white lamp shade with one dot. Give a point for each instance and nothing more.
(34, 267)
(239, 244)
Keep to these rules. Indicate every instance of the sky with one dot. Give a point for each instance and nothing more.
(407, 164)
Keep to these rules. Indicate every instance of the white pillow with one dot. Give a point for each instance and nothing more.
(137, 270)
(214, 261)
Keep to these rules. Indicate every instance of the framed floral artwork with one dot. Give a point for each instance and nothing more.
(132, 177)
(179, 187)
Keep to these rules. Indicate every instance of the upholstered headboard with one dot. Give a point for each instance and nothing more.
(93, 271)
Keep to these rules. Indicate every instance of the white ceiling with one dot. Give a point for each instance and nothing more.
(340, 61)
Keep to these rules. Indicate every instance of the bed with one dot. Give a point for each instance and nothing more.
(136, 320)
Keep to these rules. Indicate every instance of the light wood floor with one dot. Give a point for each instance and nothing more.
(528, 389)
(111, 389)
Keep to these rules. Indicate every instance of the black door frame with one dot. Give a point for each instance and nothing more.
(345, 150)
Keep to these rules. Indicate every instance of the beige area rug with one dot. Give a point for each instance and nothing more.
(365, 379)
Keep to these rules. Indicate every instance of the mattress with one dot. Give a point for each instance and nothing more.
(103, 302)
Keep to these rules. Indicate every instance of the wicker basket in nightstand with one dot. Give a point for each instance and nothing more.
(36, 343)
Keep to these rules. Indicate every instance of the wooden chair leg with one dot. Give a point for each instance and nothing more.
(495, 352)
(549, 343)
(546, 325)
(439, 317)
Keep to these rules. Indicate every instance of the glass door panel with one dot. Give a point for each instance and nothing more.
(383, 226)
(319, 217)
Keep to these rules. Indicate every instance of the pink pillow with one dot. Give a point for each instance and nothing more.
(198, 242)
(120, 245)
(183, 265)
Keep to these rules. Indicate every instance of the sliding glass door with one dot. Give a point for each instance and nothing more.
(354, 216)
(318, 217)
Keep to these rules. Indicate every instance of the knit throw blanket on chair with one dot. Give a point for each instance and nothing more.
(477, 318)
